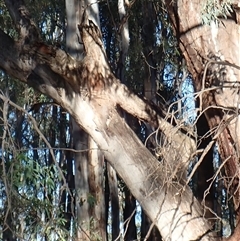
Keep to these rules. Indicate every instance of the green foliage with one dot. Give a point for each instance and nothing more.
(34, 199)
(6, 22)
(50, 17)
(91, 200)
(213, 10)
(33, 187)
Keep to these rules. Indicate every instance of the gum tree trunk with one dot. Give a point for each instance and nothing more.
(212, 56)
(90, 93)
(90, 204)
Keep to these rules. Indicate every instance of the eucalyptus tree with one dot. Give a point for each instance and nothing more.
(88, 90)
(211, 51)
(28, 178)
(88, 162)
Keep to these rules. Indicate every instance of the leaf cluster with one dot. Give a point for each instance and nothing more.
(33, 199)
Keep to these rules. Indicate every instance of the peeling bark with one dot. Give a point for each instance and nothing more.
(80, 137)
(88, 161)
(212, 56)
(90, 93)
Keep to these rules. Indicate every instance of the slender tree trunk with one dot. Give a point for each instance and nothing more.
(148, 35)
(74, 10)
(88, 163)
(129, 216)
(48, 193)
(96, 188)
(114, 199)
(81, 184)
(96, 157)
(66, 163)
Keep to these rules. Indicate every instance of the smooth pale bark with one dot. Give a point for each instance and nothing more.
(95, 158)
(124, 39)
(73, 13)
(177, 213)
(80, 137)
(112, 175)
(88, 162)
(90, 93)
(96, 187)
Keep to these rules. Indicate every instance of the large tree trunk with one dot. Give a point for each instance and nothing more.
(212, 55)
(90, 93)
(124, 39)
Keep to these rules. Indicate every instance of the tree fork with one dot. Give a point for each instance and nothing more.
(171, 206)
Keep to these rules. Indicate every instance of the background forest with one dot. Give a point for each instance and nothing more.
(55, 183)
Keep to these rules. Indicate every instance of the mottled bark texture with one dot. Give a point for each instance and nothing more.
(88, 161)
(212, 56)
(90, 93)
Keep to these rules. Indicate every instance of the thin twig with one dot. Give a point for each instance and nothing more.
(5, 128)
(35, 125)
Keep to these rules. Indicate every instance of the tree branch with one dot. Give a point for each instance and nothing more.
(9, 58)
(51, 64)
(56, 71)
